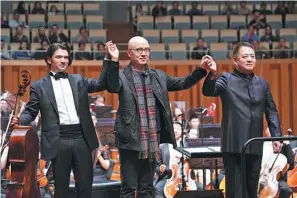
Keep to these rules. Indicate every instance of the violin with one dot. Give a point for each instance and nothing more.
(171, 186)
(292, 177)
(23, 153)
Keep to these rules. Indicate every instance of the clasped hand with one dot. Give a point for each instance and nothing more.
(111, 51)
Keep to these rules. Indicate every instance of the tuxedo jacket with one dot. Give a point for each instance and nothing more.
(42, 99)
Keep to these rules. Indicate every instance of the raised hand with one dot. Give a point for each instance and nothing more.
(112, 51)
(208, 63)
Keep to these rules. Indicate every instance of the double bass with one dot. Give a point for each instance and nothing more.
(23, 153)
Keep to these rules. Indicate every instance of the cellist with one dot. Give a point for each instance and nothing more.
(286, 150)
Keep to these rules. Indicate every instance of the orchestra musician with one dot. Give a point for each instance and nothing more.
(245, 98)
(168, 155)
(68, 135)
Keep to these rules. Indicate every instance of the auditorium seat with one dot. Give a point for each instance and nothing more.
(108, 189)
(163, 22)
(152, 36)
(237, 21)
(228, 35)
(158, 51)
(91, 8)
(182, 22)
(289, 33)
(145, 22)
(262, 32)
(35, 20)
(211, 9)
(219, 50)
(34, 32)
(94, 22)
(97, 35)
(189, 36)
(5, 35)
(210, 35)
(219, 22)
(201, 22)
(74, 21)
(291, 20)
(60, 7)
(56, 19)
(189, 7)
(275, 21)
(22, 18)
(73, 8)
(177, 51)
(169, 36)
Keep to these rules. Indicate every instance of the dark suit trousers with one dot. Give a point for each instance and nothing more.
(232, 165)
(77, 155)
(137, 175)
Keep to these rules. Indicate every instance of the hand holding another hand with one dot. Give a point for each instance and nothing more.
(208, 63)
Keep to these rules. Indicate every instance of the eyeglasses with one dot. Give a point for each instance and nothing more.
(141, 50)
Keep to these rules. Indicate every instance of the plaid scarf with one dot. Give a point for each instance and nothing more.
(149, 147)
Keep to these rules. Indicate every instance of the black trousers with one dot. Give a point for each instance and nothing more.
(232, 165)
(137, 175)
(77, 155)
(285, 190)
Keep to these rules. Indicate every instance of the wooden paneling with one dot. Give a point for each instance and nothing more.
(281, 74)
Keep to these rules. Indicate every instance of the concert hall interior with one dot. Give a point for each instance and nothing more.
(197, 48)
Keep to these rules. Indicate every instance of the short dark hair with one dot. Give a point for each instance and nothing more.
(239, 45)
(53, 48)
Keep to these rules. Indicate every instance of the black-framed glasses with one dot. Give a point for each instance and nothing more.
(141, 50)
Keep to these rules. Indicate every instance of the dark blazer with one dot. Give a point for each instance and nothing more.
(42, 98)
(127, 125)
(245, 99)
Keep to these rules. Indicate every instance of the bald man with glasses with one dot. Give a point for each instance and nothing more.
(144, 117)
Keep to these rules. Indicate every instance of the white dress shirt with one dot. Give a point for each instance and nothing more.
(65, 101)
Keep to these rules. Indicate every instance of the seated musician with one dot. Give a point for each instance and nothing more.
(193, 130)
(103, 165)
(168, 155)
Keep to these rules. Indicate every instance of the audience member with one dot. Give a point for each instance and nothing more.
(228, 9)
(200, 50)
(175, 11)
(281, 8)
(57, 35)
(100, 100)
(159, 9)
(23, 53)
(100, 48)
(83, 36)
(138, 12)
(263, 9)
(82, 54)
(13, 23)
(250, 36)
(268, 36)
(40, 35)
(194, 11)
(5, 55)
(38, 8)
(282, 50)
(257, 22)
(260, 51)
(19, 35)
(292, 9)
(53, 10)
(40, 53)
(243, 9)
(4, 24)
(21, 8)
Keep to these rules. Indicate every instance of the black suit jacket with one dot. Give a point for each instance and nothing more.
(127, 123)
(245, 100)
(42, 98)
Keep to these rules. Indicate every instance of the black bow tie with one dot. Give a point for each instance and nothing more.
(59, 75)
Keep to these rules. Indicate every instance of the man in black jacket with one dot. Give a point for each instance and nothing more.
(144, 117)
(68, 135)
(245, 98)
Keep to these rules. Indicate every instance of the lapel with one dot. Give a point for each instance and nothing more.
(128, 73)
(47, 83)
(74, 87)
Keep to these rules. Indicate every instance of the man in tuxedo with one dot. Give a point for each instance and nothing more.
(245, 98)
(68, 135)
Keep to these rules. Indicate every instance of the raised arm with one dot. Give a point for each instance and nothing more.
(272, 114)
(109, 77)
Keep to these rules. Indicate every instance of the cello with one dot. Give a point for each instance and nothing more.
(23, 153)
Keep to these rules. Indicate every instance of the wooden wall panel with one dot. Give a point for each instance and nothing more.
(281, 74)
